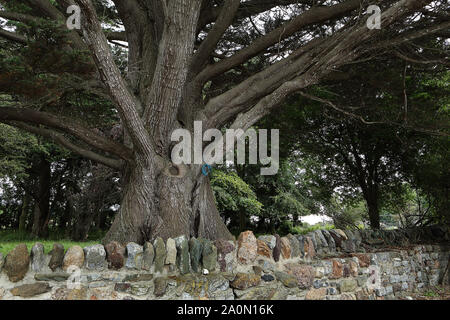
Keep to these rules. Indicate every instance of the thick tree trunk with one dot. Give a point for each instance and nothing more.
(42, 201)
(374, 211)
(166, 207)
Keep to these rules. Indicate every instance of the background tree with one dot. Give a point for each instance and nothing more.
(180, 54)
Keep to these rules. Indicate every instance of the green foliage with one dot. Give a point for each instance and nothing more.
(234, 198)
(15, 149)
(306, 228)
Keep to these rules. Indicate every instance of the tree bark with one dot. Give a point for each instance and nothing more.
(372, 200)
(42, 201)
(24, 212)
(166, 207)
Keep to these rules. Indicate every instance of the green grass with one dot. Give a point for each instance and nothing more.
(308, 228)
(10, 239)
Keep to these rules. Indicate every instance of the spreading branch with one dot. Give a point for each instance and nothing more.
(61, 140)
(8, 114)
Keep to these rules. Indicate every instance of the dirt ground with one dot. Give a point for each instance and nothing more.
(433, 293)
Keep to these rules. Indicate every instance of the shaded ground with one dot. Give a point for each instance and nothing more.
(434, 293)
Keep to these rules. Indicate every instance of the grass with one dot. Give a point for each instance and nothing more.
(10, 239)
(308, 228)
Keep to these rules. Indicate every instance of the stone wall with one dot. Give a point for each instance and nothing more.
(321, 265)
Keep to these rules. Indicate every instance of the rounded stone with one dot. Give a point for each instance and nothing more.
(95, 257)
(74, 257)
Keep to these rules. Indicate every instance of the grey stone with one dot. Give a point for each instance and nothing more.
(332, 291)
(148, 256)
(134, 256)
(183, 261)
(122, 287)
(301, 240)
(139, 289)
(160, 254)
(312, 236)
(138, 277)
(2, 261)
(267, 278)
(56, 276)
(320, 238)
(295, 246)
(113, 276)
(389, 290)
(319, 284)
(95, 257)
(195, 252)
(267, 266)
(217, 284)
(330, 240)
(37, 257)
(271, 241)
(209, 255)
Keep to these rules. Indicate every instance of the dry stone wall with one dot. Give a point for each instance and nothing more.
(321, 265)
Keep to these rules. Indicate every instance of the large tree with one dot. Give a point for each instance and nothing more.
(226, 63)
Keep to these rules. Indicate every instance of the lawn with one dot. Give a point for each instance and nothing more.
(10, 239)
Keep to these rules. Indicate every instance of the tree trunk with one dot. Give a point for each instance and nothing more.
(374, 211)
(42, 203)
(166, 207)
(24, 212)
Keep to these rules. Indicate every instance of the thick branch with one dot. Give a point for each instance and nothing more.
(225, 19)
(312, 16)
(61, 140)
(13, 36)
(67, 125)
(309, 68)
(122, 97)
